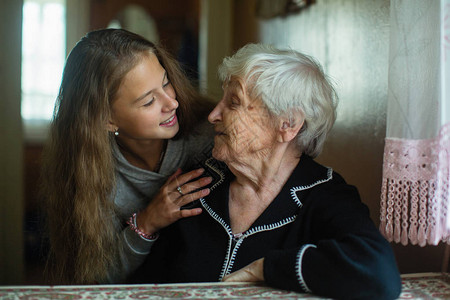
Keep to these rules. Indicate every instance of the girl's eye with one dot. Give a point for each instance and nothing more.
(150, 102)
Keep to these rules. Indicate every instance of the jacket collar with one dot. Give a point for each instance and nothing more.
(307, 175)
(285, 206)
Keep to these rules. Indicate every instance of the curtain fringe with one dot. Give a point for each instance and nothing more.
(415, 190)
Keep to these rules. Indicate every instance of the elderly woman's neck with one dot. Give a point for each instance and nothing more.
(268, 169)
(256, 185)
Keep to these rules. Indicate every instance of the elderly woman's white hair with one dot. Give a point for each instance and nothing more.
(287, 82)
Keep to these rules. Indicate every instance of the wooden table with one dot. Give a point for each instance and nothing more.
(414, 286)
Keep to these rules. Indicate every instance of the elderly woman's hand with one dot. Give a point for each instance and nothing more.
(253, 272)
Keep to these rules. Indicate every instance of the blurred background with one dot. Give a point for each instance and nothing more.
(349, 37)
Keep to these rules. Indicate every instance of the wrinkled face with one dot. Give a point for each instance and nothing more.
(145, 105)
(244, 128)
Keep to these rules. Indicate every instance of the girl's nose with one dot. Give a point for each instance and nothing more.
(170, 103)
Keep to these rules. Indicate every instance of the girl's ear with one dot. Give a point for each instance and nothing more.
(288, 128)
(111, 126)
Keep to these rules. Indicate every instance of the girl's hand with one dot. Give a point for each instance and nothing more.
(178, 191)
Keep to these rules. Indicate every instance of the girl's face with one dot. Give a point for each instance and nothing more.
(145, 105)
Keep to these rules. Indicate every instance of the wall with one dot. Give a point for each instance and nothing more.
(11, 195)
(350, 38)
(173, 18)
(215, 43)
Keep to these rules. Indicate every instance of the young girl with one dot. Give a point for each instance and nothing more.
(126, 120)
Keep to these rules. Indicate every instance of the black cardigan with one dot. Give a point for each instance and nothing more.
(316, 236)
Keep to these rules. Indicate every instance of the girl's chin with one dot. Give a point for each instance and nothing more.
(173, 131)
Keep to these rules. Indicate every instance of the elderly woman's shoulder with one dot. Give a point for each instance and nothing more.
(311, 173)
(328, 185)
(335, 196)
(338, 186)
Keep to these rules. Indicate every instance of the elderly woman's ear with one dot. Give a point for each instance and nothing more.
(288, 128)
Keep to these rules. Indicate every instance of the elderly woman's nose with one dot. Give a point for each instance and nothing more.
(216, 114)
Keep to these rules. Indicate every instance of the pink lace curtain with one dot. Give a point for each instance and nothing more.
(415, 200)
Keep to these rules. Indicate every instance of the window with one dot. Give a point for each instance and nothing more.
(43, 57)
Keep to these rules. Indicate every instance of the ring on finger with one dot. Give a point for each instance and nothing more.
(180, 191)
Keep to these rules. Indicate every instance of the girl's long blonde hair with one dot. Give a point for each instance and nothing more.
(78, 165)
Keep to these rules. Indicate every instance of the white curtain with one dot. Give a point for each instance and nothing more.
(415, 200)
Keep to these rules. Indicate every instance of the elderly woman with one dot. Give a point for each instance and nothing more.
(276, 215)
